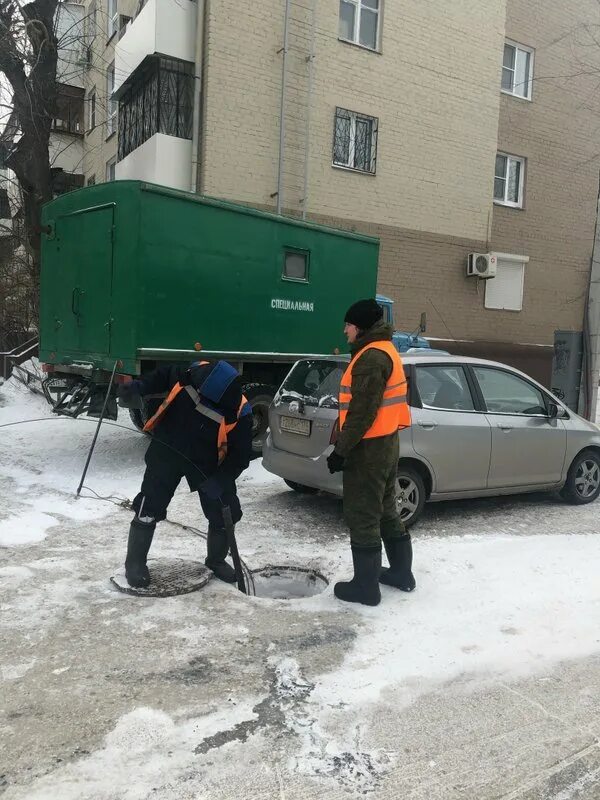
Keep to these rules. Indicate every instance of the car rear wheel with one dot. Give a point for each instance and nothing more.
(411, 494)
(583, 479)
(300, 487)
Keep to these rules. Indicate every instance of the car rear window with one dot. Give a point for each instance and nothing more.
(316, 383)
(444, 387)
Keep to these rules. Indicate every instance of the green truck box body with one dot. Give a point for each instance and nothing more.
(134, 272)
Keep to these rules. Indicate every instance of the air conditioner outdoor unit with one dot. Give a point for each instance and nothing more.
(481, 265)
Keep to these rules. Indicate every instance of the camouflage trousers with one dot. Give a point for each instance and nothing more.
(370, 507)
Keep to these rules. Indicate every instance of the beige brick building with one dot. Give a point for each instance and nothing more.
(443, 128)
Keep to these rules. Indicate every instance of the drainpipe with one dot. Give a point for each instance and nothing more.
(286, 26)
(311, 77)
(591, 331)
(201, 13)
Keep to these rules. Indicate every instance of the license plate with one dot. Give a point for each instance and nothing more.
(295, 425)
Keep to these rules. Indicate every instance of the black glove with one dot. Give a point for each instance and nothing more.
(335, 462)
(129, 394)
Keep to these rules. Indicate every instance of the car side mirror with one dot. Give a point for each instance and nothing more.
(552, 411)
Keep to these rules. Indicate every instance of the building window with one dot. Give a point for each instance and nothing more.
(69, 110)
(295, 266)
(508, 180)
(359, 22)
(111, 105)
(517, 70)
(110, 169)
(355, 141)
(505, 291)
(91, 180)
(90, 23)
(159, 101)
(124, 21)
(92, 110)
(4, 205)
(113, 18)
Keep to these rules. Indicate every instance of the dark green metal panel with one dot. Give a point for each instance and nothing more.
(187, 269)
(81, 251)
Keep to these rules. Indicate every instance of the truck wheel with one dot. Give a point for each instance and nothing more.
(300, 487)
(137, 417)
(260, 396)
(140, 416)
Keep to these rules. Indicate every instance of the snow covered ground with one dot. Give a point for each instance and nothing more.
(484, 683)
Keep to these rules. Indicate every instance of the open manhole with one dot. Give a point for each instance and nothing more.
(168, 577)
(288, 583)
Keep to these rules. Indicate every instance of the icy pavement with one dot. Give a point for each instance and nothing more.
(484, 683)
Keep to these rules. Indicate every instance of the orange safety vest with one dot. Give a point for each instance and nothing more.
(393, 413)
(224, 428)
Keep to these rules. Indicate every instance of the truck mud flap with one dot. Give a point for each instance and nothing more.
(70, 399)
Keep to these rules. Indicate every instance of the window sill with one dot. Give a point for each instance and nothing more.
(355, 171)
(111, 136)
(360, 46)
(110, 38)
(516, 96)
(75, 134)
(512, 206)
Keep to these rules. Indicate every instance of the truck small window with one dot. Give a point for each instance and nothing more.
(295, 267)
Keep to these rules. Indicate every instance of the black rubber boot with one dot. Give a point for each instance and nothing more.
(217, 548)
(400, 556)
(138, 544)
(364, 586)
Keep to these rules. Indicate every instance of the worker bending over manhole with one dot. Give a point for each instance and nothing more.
(202, 432)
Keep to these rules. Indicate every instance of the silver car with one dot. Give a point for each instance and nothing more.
(478, 429)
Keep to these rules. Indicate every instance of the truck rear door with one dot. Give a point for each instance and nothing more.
(85, 244)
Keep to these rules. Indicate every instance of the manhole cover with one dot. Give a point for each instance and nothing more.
(288, 583)
(168, 577)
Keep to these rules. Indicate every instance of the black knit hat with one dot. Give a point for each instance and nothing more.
(364, 313)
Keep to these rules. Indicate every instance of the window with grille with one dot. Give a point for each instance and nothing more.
(160, 100)
(359, 22)
(517, 70)
(111, 105)
(509, 180)
(355, 141)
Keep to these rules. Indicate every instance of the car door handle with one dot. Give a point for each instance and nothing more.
(504, 427)
(428, 426)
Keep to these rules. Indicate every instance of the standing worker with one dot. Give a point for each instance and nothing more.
(203, 432)
(372, 408)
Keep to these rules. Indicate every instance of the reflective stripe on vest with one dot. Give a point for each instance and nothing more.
(224, 428)
(153, 421)
(393, 413)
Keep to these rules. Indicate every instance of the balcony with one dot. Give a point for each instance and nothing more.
(163, 27)
(162, 159)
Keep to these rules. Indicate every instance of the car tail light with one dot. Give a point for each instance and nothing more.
(48, 367)
(122, 378)
(334, 433)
